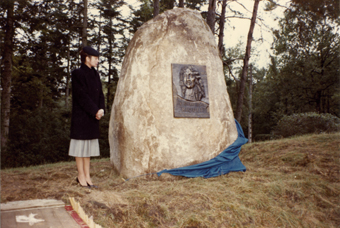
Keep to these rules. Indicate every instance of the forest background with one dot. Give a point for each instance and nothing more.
(41, 40)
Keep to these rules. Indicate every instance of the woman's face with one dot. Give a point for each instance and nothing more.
(92, 61)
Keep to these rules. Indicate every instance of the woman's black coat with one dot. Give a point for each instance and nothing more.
(87, 99)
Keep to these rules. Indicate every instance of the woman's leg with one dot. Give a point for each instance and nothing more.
(81, 174)
(87, 170)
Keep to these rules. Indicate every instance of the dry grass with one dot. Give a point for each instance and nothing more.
(289, 183)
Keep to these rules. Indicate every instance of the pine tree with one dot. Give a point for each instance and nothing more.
(6, 75)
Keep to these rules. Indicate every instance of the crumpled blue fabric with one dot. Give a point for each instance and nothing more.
(227, 161)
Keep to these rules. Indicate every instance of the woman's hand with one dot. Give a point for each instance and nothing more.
(100, 114)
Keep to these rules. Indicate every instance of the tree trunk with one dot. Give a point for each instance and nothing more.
(7, 75)
(110, 71)
(41, 101)
(239, 106)
(155, 8)
(181, 3)
(211, 15)
(170, 4)
(221, 34)
(99, 36)
(250, 130)
(67, 89)
(84, 30)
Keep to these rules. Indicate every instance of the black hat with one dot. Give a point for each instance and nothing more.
(90, 51)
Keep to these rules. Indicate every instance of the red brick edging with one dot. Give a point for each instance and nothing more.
(75, 216)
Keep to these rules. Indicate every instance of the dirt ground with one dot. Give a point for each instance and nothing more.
(57, 181)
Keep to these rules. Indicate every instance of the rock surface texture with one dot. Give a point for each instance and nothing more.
(144, 135)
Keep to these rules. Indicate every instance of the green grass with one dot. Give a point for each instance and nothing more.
(288, 183)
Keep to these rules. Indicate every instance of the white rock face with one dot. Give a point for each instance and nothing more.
(144, 135)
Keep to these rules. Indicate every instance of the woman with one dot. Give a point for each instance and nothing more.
(87, 109)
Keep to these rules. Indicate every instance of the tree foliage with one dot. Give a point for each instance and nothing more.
(111, 41)
(37, 137)
(146, 10)
(46, 49)
(308, 47)
(322, 8)
(304, 73)
(307, 123)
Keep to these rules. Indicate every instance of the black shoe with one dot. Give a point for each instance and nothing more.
(92, 186)
(85, 186)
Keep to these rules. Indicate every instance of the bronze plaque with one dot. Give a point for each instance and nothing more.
(190, 91)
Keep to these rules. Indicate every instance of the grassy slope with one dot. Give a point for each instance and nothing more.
(289, 183)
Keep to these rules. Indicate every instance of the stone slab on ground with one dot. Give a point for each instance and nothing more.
(27, 204)
(32, 212)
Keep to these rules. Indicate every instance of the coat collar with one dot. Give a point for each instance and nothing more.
(85, 67)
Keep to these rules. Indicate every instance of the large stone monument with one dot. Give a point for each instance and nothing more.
(171, 107)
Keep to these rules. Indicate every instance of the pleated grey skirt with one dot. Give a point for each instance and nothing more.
(84, 148)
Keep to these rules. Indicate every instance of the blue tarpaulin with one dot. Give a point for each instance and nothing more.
(227, 161)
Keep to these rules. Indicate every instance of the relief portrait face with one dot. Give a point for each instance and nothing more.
(189, 79)
(190, 91)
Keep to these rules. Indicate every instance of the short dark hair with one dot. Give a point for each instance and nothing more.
(83, 56)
